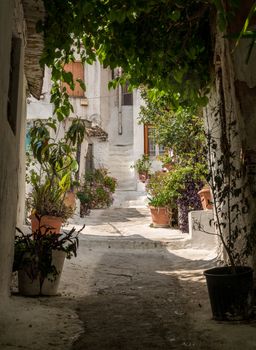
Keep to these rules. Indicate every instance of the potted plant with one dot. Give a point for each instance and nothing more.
(52, 166)
(168, 160)
(142, 166)
(39, 259)
(96, 190)
(184, 181)
(230, 286)
(206, 197)
(161, 201)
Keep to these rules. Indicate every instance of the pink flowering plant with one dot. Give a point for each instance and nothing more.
(96, 190)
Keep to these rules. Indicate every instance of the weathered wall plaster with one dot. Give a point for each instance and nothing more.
(11, 22)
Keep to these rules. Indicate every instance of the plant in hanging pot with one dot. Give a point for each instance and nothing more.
(230, 286)
(142, 166)
(52, 166)
(161, 200)
(39, 258)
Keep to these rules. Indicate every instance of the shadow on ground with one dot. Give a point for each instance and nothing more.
(137, 300)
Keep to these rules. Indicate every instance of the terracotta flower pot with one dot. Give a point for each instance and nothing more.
(168, 166)
(143, 177)
(70, 200)
(52, 222)
(161, 216)
(206, 198)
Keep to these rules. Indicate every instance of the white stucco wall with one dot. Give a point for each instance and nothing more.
(10, 142)
(125, 141)
(42, 109)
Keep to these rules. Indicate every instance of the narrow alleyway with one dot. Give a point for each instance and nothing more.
(137, 300)
(140, 288)
(131, 287)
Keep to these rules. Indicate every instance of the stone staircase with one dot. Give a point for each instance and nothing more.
(129, 193)
(129, 199)
(120, 160)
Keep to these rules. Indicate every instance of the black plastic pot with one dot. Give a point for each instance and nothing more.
(231, 294)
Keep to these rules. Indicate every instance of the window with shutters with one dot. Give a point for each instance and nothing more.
(127, 98)
(77, 69)
(150, 146)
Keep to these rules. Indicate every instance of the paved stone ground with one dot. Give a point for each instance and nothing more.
(131, 287)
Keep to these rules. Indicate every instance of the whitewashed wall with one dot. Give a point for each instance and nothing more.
(10, 169)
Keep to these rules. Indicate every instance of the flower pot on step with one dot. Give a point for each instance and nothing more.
(161, 216)
(206, 198)
(143, 176)
(70, 200)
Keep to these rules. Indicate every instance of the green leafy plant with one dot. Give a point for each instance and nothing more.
(33, 252)
(166, 158)
(150, 57)
(160, 194)
(143, 164)
(52, 167)
(96, 190)
(180, 130)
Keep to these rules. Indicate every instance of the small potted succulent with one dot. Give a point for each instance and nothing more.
(39, 257)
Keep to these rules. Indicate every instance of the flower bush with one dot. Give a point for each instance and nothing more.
(96, 191)
(177, 189)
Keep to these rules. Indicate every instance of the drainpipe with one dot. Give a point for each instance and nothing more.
(120, 116)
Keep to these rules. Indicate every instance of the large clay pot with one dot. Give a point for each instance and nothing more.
(31, 287)
(70, 200)
(206, 198)
(52, 223)
(231, 294)
(161, 216)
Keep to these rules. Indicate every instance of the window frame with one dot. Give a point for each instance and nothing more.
(127, 96)
(157, 148)
(78, 92)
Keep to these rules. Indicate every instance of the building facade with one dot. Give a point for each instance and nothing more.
(20, 73)
(114, 139)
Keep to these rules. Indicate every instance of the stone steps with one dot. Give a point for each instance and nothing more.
(129, 199)
(120, 160)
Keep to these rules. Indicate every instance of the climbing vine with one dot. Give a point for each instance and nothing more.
(162, 44)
